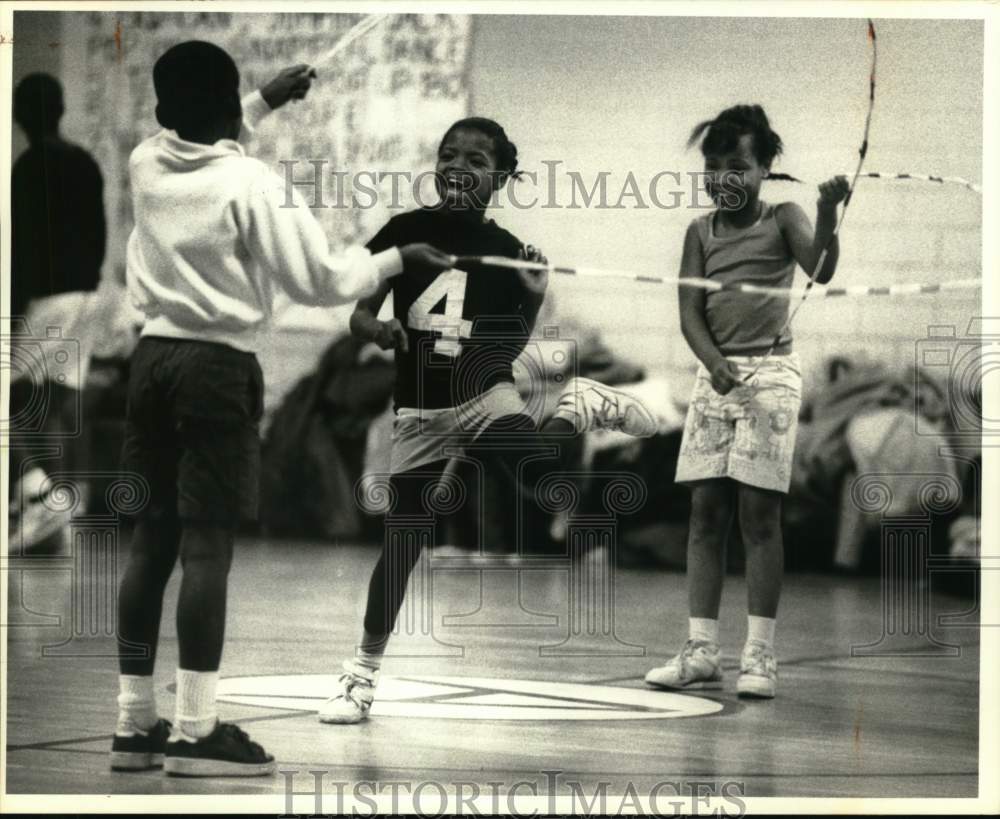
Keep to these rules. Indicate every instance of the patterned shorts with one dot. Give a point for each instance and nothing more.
(747, 434)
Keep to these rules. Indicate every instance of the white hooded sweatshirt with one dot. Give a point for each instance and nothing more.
(214, 235)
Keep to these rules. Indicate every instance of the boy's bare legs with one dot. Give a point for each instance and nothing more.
(140, 606)
(206, 553)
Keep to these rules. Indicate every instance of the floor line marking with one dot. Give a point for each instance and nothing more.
(54, 744)
(563, 774)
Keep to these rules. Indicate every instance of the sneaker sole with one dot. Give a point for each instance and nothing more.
(135, 761)
(183, 766)
(328, 719)
(702, 685)
(755, 688)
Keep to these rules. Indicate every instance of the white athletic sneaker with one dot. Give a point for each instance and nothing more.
(590, 405)
(353, 700)
(699, 665)
(758, 672)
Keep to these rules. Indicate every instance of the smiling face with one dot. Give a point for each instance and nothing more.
(734, 177)
(467, 173)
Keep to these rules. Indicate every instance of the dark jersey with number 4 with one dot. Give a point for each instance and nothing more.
(464, 325)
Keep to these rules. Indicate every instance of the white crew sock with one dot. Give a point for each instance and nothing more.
(136, 704)
(703, 628)
(196, 714)
(760, 630)
(370, 651)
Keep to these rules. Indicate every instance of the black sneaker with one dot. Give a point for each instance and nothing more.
(141, 750)
(227, 751)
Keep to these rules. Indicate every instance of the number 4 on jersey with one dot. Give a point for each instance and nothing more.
(439, 310)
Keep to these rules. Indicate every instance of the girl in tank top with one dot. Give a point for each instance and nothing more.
(739, 437)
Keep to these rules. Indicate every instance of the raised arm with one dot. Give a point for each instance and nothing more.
(292, 83)
(806, 245)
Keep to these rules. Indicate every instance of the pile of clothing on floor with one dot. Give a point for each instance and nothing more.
(314, 448)
(878, 445)
(332, 433)
(866, 431)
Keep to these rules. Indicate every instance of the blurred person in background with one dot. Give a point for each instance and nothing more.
(58, 242)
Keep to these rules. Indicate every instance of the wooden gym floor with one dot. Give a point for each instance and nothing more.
(902, 725)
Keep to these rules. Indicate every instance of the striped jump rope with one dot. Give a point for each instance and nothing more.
(817, 290)
(913, 177)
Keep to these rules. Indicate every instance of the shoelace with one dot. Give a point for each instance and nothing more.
(352, 681)
(756, 660)
(241, 736)
(235, 731)
(609, 416)
(685, 656)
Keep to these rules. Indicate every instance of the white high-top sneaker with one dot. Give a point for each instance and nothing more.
(758, 672)
(353, 699)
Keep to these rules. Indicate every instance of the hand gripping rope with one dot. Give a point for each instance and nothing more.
(862, 153)
(819, 291)
(790, 293)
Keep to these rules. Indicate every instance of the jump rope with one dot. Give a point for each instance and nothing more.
(801, 293)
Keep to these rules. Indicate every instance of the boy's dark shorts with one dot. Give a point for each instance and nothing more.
(192, 429)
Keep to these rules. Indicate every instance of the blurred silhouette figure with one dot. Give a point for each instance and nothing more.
(57, 248)
(57, 203)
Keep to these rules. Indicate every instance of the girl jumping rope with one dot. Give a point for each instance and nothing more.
(739, 436)
(456, 335)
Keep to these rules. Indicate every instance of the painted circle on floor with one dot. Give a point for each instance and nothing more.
(471, 698)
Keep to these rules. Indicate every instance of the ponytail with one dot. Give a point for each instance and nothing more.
(722, 134)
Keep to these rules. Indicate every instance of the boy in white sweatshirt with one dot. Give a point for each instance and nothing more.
(214, 234)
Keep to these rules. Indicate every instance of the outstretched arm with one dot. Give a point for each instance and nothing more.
(289, 244)
(292, 248)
